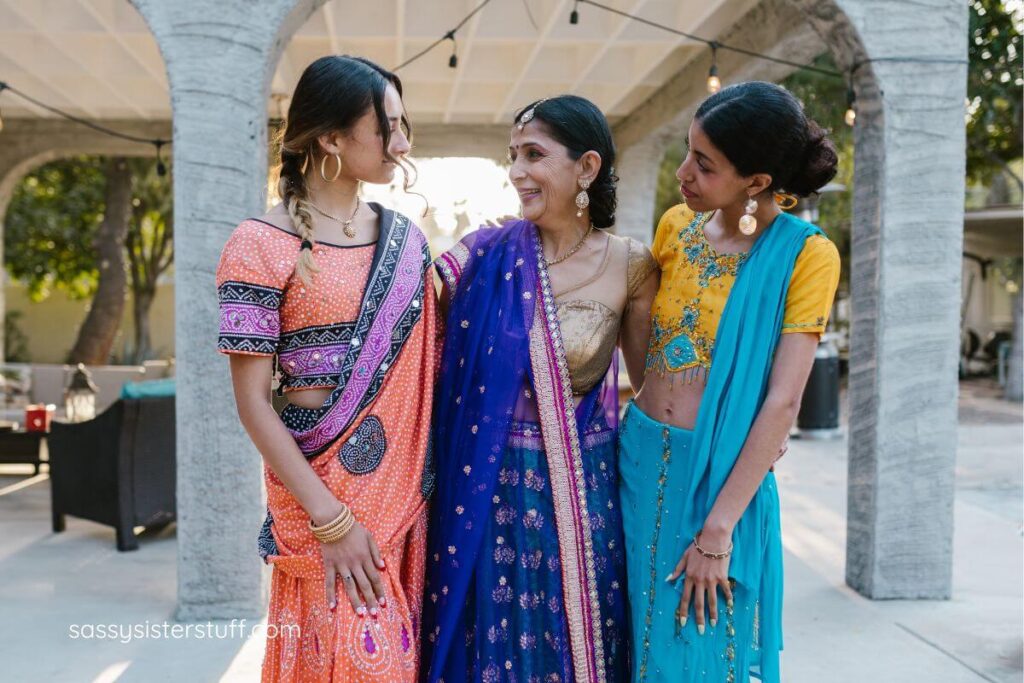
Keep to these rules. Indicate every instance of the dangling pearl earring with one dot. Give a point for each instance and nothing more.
(748, 224)
(582, 199)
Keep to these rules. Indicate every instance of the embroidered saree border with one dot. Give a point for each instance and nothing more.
(450, 265)
(391, 308)
(568, 486)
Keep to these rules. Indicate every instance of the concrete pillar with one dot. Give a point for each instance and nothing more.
(637, 168)
(220, 58)
(907, 243)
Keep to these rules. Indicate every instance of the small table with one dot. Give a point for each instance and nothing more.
(18, 446)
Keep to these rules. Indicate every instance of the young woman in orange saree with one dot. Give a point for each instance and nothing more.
(346, 306)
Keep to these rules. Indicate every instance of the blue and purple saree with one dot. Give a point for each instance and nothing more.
(525, 563)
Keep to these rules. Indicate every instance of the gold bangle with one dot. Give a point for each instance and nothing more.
(336, 528)
(336, 534)
(337, 521)
(710, 555)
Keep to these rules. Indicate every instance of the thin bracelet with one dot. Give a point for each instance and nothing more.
(710, 555)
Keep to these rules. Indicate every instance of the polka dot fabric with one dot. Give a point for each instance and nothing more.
(314, 643)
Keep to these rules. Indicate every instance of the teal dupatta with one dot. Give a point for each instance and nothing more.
(745, 344)
(741, 365)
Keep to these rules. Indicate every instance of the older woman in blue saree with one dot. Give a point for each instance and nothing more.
(526, 564)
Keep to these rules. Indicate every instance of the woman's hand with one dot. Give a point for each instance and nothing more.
(356, 559)
(704, 576)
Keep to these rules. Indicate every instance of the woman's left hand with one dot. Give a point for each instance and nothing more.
(703, 577)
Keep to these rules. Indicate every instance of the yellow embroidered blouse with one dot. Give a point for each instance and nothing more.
(696, 281)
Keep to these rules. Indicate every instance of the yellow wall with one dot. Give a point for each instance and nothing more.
(52, 325)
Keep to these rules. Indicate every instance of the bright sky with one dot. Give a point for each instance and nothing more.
(462, 193)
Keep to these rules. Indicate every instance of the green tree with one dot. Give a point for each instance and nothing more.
(149, 245)
(995, 88)
(56, 217)
(50, 226)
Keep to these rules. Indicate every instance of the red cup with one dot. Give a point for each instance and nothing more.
(37, 418)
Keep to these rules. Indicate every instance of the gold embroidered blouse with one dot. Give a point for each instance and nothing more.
(590, 329)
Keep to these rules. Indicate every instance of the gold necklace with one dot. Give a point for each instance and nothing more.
(571, 251)
(346, 226)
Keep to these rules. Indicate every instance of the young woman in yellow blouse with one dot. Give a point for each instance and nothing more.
(745, 294)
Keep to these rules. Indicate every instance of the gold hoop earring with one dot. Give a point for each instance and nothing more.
(323, 169)
(785, 200)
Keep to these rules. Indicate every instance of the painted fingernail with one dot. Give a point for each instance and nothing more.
(700, 629)
(682, 622)
(728, 603)
(383, 601)
(361, 610)
(714, 622)
(332, 605)
(373, 612)
(668, 579)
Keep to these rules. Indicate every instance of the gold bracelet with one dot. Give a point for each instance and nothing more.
(340, 520)
(335, 534)
(336, 529)
(710, 555)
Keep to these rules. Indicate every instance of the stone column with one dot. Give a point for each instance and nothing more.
(637, 168)
(910, 79)
(220, 58)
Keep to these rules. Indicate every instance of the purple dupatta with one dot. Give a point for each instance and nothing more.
(503, 360)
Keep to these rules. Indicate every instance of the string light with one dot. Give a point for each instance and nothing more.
(161, 169)
(851, 114)
(453, 61)
(156, 142)
(714, 82)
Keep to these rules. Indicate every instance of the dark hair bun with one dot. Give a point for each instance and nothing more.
(820, 163)
(762, 128)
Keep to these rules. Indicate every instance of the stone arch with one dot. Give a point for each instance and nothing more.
(220, 60)
(909, 74)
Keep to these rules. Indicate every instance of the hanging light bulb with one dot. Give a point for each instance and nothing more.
(3, 86)
(453, 61)
(161, 169)
(851, 114)
(574, 16)
(714, 82)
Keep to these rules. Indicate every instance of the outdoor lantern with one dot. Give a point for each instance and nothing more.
(80, 396)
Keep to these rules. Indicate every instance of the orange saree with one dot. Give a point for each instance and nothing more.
(366, 328)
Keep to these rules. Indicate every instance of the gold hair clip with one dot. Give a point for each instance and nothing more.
(528, 114)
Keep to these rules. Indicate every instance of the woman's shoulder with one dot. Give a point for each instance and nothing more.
(258, 251)
(819, 249)
(640, 262)
(677, 215)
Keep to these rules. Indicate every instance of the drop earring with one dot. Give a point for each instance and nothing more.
(748, 224)
(582, 199)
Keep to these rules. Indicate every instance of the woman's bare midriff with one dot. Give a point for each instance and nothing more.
(308, 398)
(671, 399)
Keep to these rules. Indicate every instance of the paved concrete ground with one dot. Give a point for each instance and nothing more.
(51, 583)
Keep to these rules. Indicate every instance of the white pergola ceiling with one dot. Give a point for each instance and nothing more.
(97, 59)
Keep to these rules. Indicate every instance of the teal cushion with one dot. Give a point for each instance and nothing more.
(152, 388)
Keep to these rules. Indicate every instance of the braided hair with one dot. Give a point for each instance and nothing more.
(332, 94)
